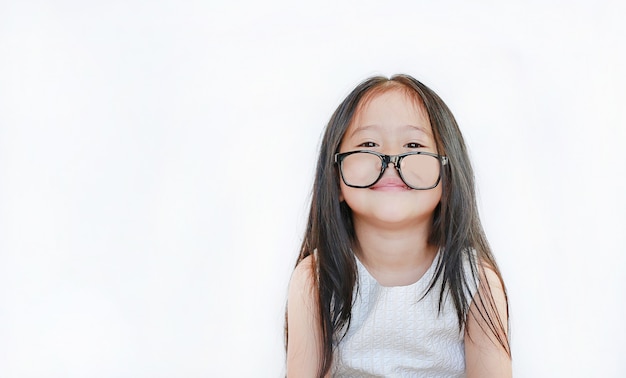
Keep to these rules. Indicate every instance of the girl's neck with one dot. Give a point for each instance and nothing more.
(394, 257)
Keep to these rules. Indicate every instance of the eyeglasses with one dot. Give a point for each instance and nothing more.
(419, 170)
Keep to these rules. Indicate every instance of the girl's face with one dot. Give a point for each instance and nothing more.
(390, 123)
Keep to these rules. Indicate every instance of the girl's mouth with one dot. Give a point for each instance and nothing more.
(390, 184)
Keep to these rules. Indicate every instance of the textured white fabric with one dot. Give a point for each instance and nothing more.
(395, 334)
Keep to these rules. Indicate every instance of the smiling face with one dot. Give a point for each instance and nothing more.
(390, 122)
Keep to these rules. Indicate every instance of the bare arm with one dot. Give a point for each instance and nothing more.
(303, 344)
(484, 356)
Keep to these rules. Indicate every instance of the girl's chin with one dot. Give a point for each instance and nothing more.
(386, 218)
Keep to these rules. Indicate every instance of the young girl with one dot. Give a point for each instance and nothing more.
(395, 277)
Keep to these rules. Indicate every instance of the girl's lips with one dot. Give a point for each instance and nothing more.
(390, 184)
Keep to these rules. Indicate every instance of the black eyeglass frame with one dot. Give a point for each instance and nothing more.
(386, 159)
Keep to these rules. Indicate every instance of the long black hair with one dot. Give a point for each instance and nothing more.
(456, 230)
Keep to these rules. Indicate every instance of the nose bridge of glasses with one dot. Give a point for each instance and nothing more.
(391, 159)
(395, 159)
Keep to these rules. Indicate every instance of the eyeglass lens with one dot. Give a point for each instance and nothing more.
(363, 169)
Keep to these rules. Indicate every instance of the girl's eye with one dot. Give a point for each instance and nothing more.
(413, 145)
(368, 144)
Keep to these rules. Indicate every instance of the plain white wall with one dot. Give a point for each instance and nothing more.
(156, 159)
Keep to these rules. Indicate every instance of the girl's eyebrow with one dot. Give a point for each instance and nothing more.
(363, 128)
(421, 129)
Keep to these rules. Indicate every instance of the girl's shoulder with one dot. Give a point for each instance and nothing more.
(488, 274)
(302, 279)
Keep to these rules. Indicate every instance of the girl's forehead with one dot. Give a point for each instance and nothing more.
(391, 107)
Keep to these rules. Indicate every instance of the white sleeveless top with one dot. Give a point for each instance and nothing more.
(395, 334)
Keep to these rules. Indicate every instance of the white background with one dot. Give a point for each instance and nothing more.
(156, 159)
